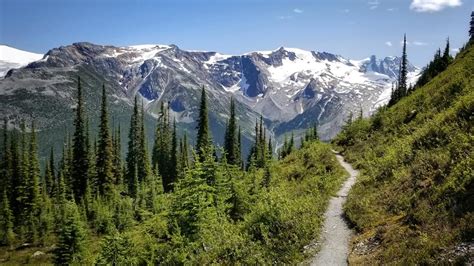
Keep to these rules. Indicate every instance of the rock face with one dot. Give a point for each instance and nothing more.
(291, 88)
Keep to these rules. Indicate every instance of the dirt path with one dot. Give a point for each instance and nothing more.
(336, 234)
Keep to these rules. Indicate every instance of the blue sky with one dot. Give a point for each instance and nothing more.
(352, 28)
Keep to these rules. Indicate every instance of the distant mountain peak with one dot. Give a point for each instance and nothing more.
(14, 58)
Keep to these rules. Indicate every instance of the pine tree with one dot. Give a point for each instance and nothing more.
(471, 31)
(143, 162)
(183, 156)
(203, 139)
(32, 200)
(5, 162)
(15, 179)
(239, 148)
(161, 158)
(7, 236)
(231, 142)
(174, 157)
(117, 157)
(105, 178)
(403, 71)
(71, 236)
(269, 149)
(132, 153)
(80, 160)
(401, 89)
(447, 59)
(49, 174)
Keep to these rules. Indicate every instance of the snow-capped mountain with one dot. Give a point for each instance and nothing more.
(291, 88)
(15, 58)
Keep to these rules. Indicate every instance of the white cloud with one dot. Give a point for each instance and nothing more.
(391, 9)
(373, 4)
(389, 44)
(285, 17)
(455, 50)
(298, 11)
(433, 5)
(418, 43)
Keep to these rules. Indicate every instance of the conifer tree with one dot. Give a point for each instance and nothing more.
(5, 162)
(105, 178)
(403, 71)
(231, 142)
(270, 148)
(143, 162)
(32, 200)
(7, 236)
(183, 156)
(174, 157)
(71, 236)
(401, 89)
(239, 148)
(203, 139)
(49, 174)
(132, 153)
(80, 160)
(15, 179)
(471, 30)
(117, 157)
(161, 158)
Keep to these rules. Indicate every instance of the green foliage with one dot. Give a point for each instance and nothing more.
(80, 160)
(203, 139)
(105, 178)
(436, 66)
(416, 158)
(116, 250)
(402, 88)
(7, 236)
(231, 142)
(164, 158)
(71, 236)
(259, 153)
(214, 212)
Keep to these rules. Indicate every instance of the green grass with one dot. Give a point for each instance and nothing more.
(416, 191)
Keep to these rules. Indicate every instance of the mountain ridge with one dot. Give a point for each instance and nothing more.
(290, 87)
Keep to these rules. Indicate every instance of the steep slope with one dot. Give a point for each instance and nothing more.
(15, 58)
(413, 203)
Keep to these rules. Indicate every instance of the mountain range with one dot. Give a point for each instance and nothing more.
(291, 88)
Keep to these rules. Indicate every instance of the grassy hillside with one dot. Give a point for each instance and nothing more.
(414, 200)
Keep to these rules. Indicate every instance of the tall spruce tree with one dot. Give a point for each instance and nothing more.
(161, 157)
(49, 174)
(143, 161)
(131, 174)
(117, 154)
(7, 236)
(5, 161)
(173, 172)
(80, 160)
(105, 178)
(401, 89)
(203, 139)
(231, 142)
(32, 200)
(404, 71)
(471, 30)
(71, 236)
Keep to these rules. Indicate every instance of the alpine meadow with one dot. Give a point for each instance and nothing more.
(154, 154)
